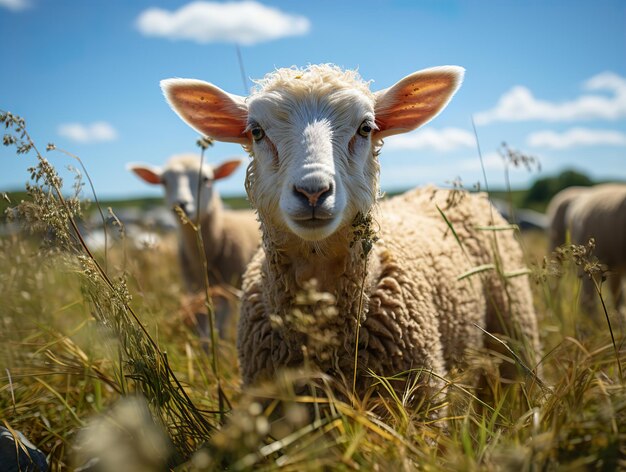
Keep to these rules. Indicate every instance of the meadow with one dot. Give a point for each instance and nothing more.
(98, 356)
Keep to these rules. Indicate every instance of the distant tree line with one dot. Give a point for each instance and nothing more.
(542, 190)
(536, 196)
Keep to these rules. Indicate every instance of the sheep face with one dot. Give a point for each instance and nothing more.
(313, 134)
(187, 186)
(313, 162)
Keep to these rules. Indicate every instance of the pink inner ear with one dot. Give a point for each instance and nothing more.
(208, 109)
(147, 175)
(416, 99)
(225, 169)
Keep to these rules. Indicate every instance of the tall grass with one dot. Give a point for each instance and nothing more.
(80, 330)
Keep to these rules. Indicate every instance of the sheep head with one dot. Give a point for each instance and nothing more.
(186, 185)
(314, 135)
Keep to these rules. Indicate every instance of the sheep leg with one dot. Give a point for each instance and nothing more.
(222, 311)
(222, 308)
(615, 284)
(202, 327)
(617, 291)
(587, 296)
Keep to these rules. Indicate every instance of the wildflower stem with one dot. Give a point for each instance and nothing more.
(358, 329)
(608, 322)
(25, 144)
(215, 365)
(367, 238)
(95, 196)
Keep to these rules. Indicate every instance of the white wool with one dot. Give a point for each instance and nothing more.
(314, 135)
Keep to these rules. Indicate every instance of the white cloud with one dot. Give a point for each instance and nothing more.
(246, 22)
(519, 104)
(15, 5)
(576, 137)
(446, 139)
(490, 161)
(95, 132)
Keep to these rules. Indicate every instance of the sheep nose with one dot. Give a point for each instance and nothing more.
(312, 196)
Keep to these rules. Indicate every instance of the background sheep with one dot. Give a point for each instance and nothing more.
(556, 213)
(314, 135)
(230, 238)
(600, 213)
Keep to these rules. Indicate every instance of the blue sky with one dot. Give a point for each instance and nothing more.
(547, 77)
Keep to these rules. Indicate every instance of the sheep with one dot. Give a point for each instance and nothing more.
(556, 211)
(314, 135)
(600, 213)
(230, 238)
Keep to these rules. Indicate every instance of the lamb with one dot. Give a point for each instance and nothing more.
(314, 135)
(230, 238)
(600, 213)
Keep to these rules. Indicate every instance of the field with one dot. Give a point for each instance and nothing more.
(80, 331)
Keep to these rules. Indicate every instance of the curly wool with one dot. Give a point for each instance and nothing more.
(417, 313)
(320, 78)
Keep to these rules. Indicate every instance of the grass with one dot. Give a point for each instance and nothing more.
(76, 339)
(11, 198)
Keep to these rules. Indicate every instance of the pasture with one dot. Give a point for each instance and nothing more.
(81, 329)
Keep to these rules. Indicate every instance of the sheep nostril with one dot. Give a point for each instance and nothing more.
(313, 196)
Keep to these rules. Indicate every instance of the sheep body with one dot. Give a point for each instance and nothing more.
(314, 135)
(600, 213)
(417, 313)
(556, 213)
(229, 238)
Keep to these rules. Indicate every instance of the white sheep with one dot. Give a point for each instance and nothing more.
(230, 238)
(600, 213)
(314, 135)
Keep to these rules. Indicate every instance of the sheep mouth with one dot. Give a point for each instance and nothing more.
(312, 222)
(312, 215)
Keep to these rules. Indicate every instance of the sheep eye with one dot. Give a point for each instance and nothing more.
(205, 179)
(257, 133)
(365, 129)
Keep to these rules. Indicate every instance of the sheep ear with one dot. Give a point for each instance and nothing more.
(208, 109)
(225, 169)
(416, 99)
(149, 174)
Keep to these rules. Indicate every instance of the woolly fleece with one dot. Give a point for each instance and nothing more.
(417, 313)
